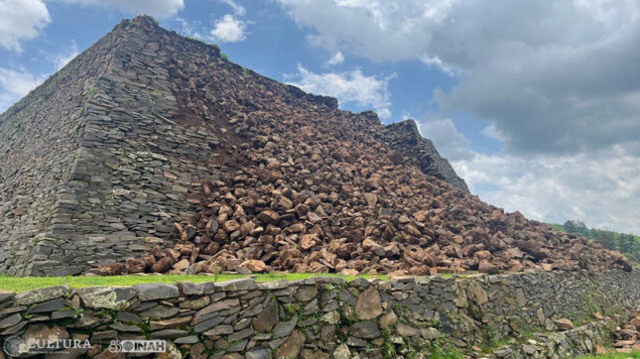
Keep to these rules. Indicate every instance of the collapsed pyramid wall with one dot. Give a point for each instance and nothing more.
(100, 161)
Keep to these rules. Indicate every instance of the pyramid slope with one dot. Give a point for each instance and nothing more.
(108, 169)
(39, 141)
(100, 161)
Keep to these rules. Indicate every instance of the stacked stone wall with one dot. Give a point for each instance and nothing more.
(327, 317)
(39, 141)
(138, 171)
(102, 174)
(405, 138)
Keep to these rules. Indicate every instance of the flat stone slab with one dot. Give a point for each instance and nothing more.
(169, 323)
(41, 295)
(10, 321)
(50, 306)
(273, 285)
(237, 284)
(5, 296)
(105, 297)
(192, 339)
(65, 271)
(218, 306)
(121, 327)
(169, 334)
(161, 312)
(156, 291)
(189, 288)
(365, 330)
(283, 329)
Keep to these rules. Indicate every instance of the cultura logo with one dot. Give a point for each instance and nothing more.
(14, 346)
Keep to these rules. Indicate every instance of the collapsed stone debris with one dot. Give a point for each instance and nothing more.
(627, 336)
(306, 187)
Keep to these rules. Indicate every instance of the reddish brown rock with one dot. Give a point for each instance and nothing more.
(268, 216)
(135, 265)
(304, 186)
(181, 265)
(486, 266)
(255, 266)
(563, 324)
(163, 265)
(111, 269)
(308, 241)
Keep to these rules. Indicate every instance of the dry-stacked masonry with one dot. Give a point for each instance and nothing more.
(532, 316)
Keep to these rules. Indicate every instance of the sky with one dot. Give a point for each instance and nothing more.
(535, 103)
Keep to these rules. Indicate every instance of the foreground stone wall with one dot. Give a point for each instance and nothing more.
(327, 317)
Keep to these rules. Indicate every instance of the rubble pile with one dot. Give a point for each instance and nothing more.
(306, 187)
(628, 336)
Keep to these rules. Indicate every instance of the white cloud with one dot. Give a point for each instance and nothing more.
(191, 29)
(445, 136)
(157, 8)
(21, 20)
(61, 59)
(435, 61)
(492, 132)
(229, 29)
(349, 87)
(336, 59)
(556, 80)
(601, 189)
(238, 9)
(547, 74)
(15, 85)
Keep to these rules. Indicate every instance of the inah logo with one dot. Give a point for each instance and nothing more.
(138, 346)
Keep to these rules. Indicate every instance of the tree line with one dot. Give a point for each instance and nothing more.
(627, 244)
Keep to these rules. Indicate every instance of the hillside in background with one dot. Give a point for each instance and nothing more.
(627, 244)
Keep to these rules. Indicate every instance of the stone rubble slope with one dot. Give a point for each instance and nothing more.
(306, 187)
(628, 336)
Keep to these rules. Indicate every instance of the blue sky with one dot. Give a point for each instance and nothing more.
(535, 105)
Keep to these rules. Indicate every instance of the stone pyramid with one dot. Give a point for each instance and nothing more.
(100, 161)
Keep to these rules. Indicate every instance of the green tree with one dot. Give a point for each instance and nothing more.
(627, 244)
(607, 239)
(569, 226)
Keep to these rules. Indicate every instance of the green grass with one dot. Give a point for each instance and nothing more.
(24, 284)
(634, 355)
